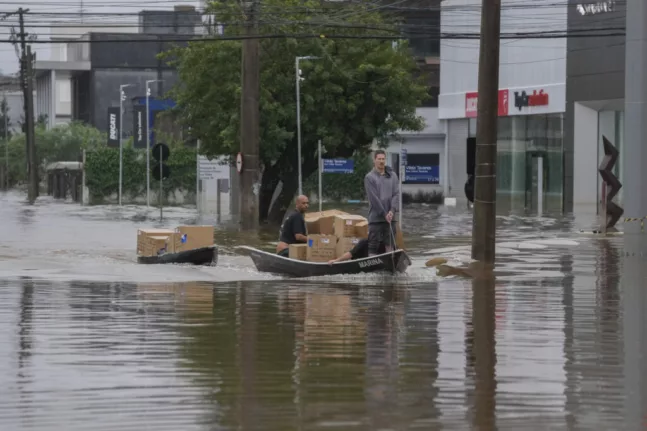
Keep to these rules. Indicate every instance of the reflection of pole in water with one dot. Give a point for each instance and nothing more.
(572, 378)
(484, 353)
(26, 315)
(247, 408)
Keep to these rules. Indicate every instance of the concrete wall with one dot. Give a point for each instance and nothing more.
(523, 62)
(457, 134)
(585, 155)
(595, 78)
(15, 104)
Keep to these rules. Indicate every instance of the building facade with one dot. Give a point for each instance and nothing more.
(595, 98)
(82, 79)
(532, 95)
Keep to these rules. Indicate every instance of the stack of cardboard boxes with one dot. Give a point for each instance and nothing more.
(153, 242)
(330, 235)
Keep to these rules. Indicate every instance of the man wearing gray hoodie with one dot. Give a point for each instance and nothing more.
(383, 193)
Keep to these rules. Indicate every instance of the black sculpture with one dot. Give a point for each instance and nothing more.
(613, 185)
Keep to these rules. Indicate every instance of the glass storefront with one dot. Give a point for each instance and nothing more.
(530, 155)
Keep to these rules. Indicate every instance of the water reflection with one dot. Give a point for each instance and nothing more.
(566, 352)
(482, 365)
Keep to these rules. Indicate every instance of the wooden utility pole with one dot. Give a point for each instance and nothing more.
(32, 192)
(483, 225)
(249, 121)
(26, 82)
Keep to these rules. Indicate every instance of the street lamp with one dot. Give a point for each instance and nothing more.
(122, 97)
(298, 79)
(6, 138)
(148, 143)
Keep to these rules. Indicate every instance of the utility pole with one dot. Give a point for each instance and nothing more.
(249, 120)
(26, 81)
(483, 224)
(32, 192)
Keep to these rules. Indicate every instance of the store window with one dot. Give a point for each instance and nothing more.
(521, 141)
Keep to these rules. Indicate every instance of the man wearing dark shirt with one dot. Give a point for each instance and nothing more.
(293, 229)
(358, 252)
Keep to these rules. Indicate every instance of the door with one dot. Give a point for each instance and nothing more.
(536, 181)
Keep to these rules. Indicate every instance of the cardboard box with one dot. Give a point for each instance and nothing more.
(299, 251)
(345, 225)
(322, 223)
(321, 248)
(155, 245)
(192, 237)
(345, 244)
(361, 230)
(143, 234)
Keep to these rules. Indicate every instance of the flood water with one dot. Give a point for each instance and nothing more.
(91, 340)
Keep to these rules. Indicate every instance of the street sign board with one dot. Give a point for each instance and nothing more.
(338, 166)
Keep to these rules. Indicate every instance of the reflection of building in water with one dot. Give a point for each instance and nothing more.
(594, 343)
(195, 297)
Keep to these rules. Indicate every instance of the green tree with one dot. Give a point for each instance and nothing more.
(358, 91)
(5, 121)
(63, 143)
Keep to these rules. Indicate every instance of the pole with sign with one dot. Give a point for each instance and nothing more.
(161, 152)
(320, 174)
(403, 167)
(332, 166)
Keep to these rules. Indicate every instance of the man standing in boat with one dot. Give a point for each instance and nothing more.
(293, 229)
(383, 193)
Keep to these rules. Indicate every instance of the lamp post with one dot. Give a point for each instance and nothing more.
(6, 139)
(122, 97)
(148, 143)
(298, 80)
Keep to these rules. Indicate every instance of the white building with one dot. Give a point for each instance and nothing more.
(532, 82)
(425, 156)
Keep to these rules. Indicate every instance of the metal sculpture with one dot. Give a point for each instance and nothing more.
(612, 212)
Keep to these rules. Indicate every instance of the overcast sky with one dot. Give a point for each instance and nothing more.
(66, 11)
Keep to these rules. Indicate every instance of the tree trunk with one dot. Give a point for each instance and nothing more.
(269, 183)
(285, 198)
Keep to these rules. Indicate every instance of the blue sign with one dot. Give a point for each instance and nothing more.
(422, 174)
(338, 166)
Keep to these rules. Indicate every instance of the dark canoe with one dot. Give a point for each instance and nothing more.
(198, 256)
(397, 261)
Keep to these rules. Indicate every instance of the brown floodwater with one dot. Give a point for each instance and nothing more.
(91, 340)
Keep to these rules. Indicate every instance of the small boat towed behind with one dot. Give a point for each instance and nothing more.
(392, 262)
(196, 256)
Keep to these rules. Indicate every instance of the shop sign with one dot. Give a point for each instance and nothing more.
(524, 100)
(471, 103)
(596, 8)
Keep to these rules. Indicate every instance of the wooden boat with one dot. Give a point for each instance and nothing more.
(198, 256)
(393, 262)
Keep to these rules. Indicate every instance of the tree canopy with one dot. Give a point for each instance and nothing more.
(359, 89)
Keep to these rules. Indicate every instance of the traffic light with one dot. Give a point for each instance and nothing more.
(161, 153)
(613, 185)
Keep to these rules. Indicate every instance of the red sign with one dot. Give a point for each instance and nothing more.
(523, 100)
(471, 104)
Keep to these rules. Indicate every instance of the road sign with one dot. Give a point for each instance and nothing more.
(163, 149)
(212, 169)
(239, 162)
(166, 172)
(338, 166)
